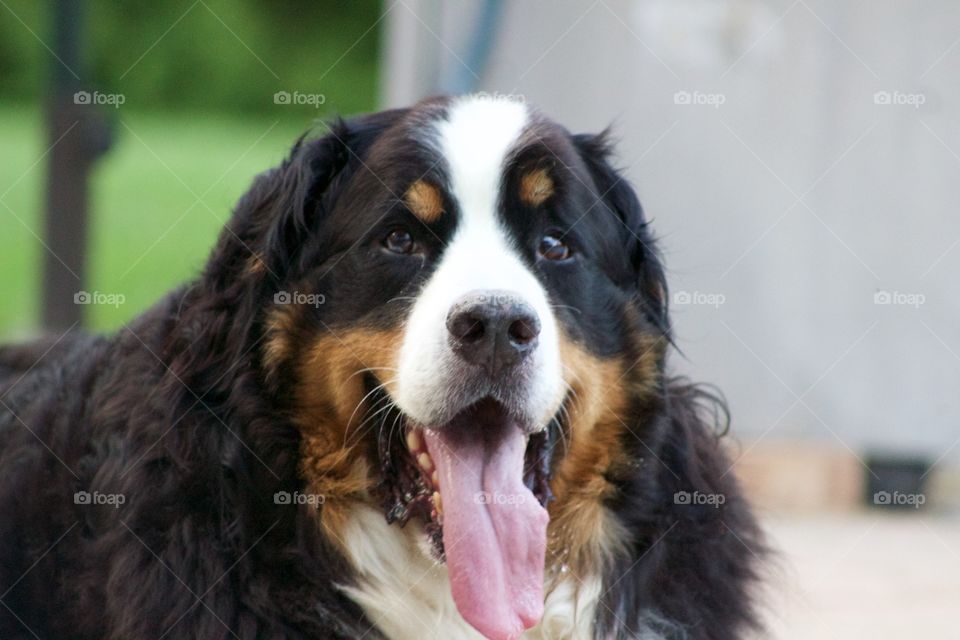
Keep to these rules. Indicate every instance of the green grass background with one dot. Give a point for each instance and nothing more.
(199, 119)
(148, 231)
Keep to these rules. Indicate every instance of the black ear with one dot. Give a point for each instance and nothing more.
(219, 316)
(705, 558)
(271, 222)
(618, 195)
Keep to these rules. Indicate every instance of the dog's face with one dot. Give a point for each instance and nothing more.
(464, 294)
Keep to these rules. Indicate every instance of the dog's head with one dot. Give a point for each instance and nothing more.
(457, 302)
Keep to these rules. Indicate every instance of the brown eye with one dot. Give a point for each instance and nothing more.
(553, 248)
(399, 241)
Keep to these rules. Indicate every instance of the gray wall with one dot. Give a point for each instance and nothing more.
(793, 202)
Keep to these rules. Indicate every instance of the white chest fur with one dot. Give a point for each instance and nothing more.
(407, 595)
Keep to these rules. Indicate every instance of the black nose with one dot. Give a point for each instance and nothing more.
(493, 329)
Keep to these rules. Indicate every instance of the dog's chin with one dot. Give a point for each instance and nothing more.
(479, 485)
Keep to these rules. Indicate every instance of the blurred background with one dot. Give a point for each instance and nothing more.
(799, 160)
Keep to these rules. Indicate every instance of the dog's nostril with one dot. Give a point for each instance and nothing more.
(466, 327)
(524, 330)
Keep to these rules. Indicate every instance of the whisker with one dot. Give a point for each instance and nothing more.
(346, 433)
(565, 306)
(369, 369)
(359, 432)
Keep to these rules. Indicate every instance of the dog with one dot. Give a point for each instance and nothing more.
(419, 390)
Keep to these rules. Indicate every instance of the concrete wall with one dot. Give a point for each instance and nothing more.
(793, 201)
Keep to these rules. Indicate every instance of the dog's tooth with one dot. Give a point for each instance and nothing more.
(435, 478)
(413, 440)
(425, 462)
(436, 503)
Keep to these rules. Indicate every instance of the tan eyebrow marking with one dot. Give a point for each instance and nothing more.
(424, 201)
(536, 187)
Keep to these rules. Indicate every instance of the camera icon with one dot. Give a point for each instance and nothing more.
(282, 297)
(82, 297)
(281, 497)
(882, 498)
(81, 497)
(281, 97)
(81, 97)
(882, 297)
(882, 97)
(682, 97)
(682, 297)
(482, 497)
(681, 497)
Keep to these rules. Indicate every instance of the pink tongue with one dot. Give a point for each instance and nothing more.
(494, 529)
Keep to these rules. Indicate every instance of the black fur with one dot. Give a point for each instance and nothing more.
(178, 414)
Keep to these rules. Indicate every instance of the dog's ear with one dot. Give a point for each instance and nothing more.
(618, 195)
(690, 525)
(264, 238)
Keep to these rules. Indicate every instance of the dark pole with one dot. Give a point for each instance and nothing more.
(77, 135)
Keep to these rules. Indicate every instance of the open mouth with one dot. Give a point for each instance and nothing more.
(480, 485)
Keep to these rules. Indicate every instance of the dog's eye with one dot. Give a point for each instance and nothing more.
(400, 241)
(553, 248)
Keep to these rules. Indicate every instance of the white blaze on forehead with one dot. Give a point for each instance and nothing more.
(475, 139)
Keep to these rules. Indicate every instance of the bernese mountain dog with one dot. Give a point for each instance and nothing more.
(419, 390)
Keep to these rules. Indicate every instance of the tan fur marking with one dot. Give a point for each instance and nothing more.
(536, 187)
(424, 201)
(338, 457)
(582, 533)
(256, 265)
(281, 322)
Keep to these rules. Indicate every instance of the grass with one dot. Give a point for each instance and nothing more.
(159, 199)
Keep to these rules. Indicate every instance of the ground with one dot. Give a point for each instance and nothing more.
(866, 575)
